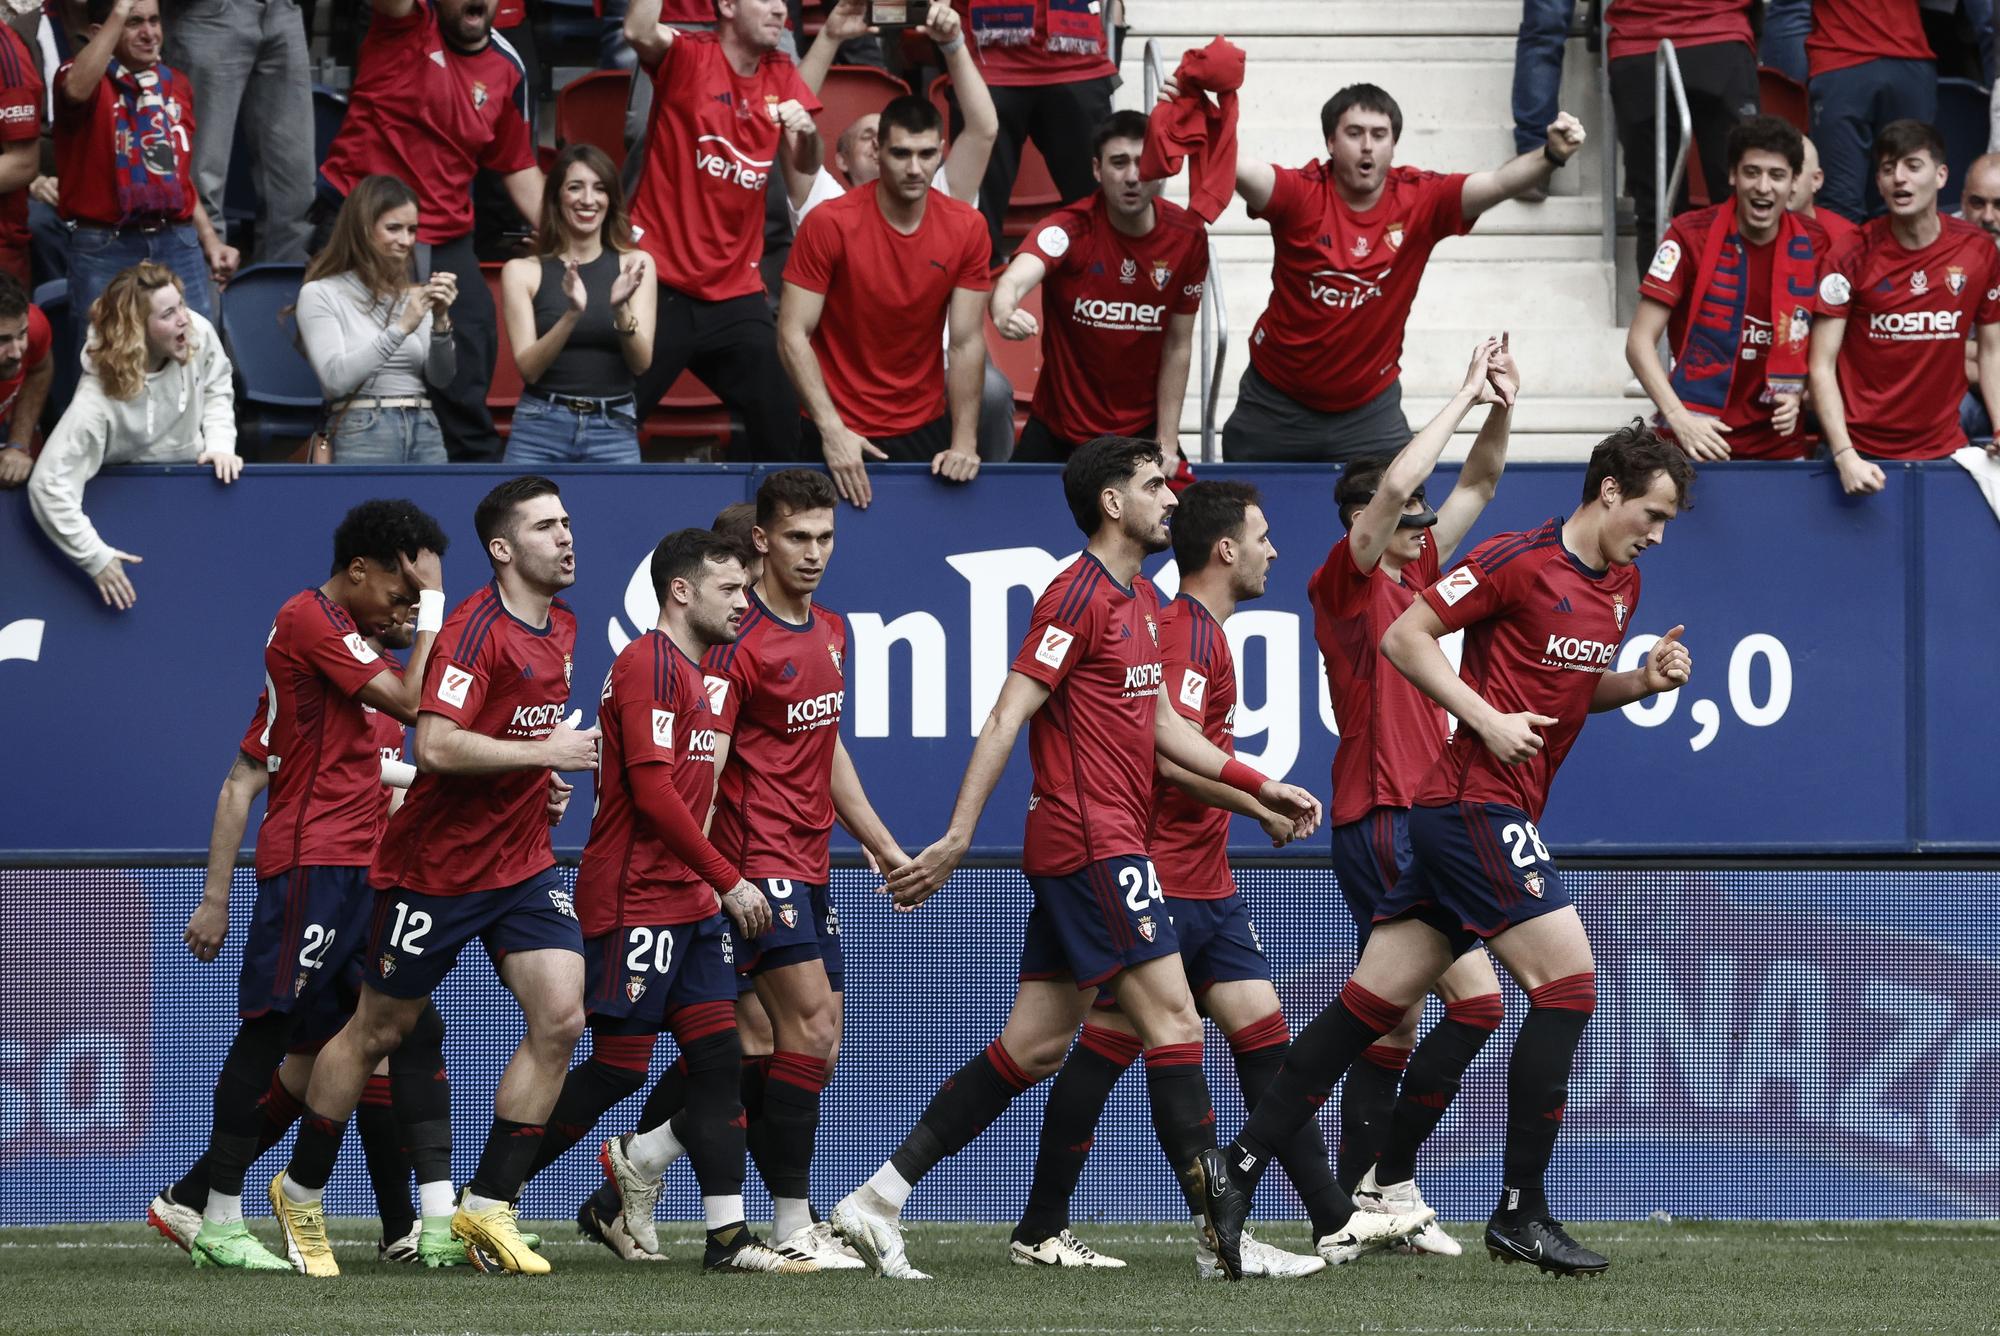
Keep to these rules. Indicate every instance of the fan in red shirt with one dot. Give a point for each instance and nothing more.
(873, 277)
(1716, 54)
(1352, 235)
(1869, 65)
(25, 375)
(1732, 286)
(728, 107)
(1543, 613)
(1390, 737)
(1897, 304)
(1223, 552)
(319, 745)
(21, 96)
(659, 953)
(1086, 683)
(1125, 272)
(1805, 196)
(1049, 65)
(468, 856)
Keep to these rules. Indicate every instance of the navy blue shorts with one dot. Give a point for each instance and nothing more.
(634, 979)
(804, 926)
(415, 937)
(1097, 921)
(308, 925)
(1477, 869)
(1369, 858)
(1218, 942)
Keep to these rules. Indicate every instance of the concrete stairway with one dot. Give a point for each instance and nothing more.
(1535, 270)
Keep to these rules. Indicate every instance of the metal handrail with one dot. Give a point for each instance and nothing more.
(1214, 307)
(1666, 71)
(1607, 138)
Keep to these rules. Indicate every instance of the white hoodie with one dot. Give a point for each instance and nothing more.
(185, 410)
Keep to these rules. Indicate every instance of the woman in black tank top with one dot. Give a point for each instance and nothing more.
(580, 319)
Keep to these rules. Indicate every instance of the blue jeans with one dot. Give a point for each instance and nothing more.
(1538, 69)
(1786, 26)
(388, 436)
(1849, 107)
(546, 433)
(99, 254)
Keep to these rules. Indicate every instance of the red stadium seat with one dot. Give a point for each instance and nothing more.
(851, 92)
(1020, 363)
(505, 391)
(591, 110)
(1783, 97)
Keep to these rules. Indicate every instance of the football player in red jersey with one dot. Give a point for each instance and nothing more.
(1223, 552)
(468, 855)
(1897, 303)
(323, 680)
(1544, 612)
(1086, 682)
(1125, 272)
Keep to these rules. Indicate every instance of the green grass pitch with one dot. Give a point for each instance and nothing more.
(106, 1280)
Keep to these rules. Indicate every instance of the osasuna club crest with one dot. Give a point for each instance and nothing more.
(635, 988)
(1146, 928)
(1617, 615)
(788, 915)
(1532, 883)
(834, 654)
(386, 965)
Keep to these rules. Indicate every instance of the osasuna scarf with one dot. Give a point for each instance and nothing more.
(1068, 25)
(147, 167)
(1709, 355)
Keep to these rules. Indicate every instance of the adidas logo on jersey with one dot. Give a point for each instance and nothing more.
(1563, 606)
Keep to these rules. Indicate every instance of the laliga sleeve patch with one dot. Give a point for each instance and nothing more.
(663, 729)
(1834, 290)
(1666, 260)
(1457, 585)
(718, 692)
(1053, 241)
(358, 647)
(453, 684)
(1054, 647)
(1194, 689)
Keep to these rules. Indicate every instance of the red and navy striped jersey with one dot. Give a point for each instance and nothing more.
(1095, 645)
(1541, 629)
(324, 806)
(654, 712)
(492, 673)
(778, 692)
(1390, 732)
(1190, 839)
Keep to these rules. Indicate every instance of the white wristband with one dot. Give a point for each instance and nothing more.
(953, 47)
(398, 774)
(430, 610)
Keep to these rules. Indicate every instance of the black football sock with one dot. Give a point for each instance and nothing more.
(1320, 1056)
(791, 1116)
(1069, 1125)
(280, 1109)
(963, 1107)
(503, 1162)
(711, 1126)
(237, 1136)
(1436, 1069)
(1538, 1085)
(388, 1168)
(616, 1070)
(751, 1082)
(420, 1093)
(1367, 1101)
(1260, 1050)
(316, 1149)
(1183, 1118)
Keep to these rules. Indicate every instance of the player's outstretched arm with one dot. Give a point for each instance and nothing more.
(858, 815)
(1369, 537)
(1170, 389)
(649, 37)
(1411, 644)
(917, 880)
(1479, 479)
(443, 748)
(1483, 190)
(1668, 667)
(1023, 274)
(209, 923)
(1182, 744)
(1858, 477)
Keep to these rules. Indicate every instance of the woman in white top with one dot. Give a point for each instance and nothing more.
(377, 339)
